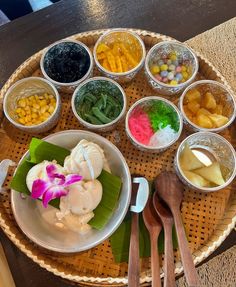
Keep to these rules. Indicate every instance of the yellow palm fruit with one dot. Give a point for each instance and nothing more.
(101, 56)
(118, 64)
(128, 55)
(111, 61)
(102, 48)
(124, 63)
(106, 65)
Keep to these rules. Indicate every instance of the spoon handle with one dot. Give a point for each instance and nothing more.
(133, 268)
(186, 256)
(155, 265)
(169, 265)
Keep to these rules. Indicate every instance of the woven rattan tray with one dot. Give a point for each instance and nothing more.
(208, 217)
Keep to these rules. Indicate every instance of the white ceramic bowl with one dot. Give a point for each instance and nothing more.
(124, 76)
(164, 48)
(218, 146)
(64, 46)
(27, 211)
(222, 95)
(28, 87)
(143, 102)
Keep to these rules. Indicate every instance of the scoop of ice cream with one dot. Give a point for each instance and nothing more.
(38, 171)
(78, 223)
(86, 159)
(83, 197)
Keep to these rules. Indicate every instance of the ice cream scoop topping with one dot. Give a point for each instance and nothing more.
(55, 186)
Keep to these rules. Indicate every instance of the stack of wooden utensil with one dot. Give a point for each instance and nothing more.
(163, 210)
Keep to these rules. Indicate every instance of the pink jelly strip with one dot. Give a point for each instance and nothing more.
(140, 126)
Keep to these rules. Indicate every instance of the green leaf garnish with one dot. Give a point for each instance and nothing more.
(41, 150)
(111, 185)
(120, 240)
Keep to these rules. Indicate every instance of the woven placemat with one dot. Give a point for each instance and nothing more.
(207, 217)
(217, 272)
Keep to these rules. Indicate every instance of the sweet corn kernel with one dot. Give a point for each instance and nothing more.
(46, 114)
(21, 121)
(22, 103)
(18, 111)
(36, 106)
(43, 103)
(34, 116)
(51, 109)
(22, 113)
(43, 110)
(28, 124)
(35, 109)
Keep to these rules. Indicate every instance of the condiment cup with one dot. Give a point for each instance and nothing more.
(128, 37)
(28, 87)
(144, 102)
(165, 48)
(64, 47)
(216, 146)
(78, 93)
(222, 95)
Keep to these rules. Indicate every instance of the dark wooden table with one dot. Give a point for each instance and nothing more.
(23, 37)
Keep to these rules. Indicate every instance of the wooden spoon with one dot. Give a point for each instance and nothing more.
(153, 224)
(170, 189)
(167, 222)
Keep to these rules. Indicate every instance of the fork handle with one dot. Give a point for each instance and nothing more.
(186, 256)
(169, 265)
(133, 268)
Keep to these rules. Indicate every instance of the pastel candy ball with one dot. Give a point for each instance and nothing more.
(155, 69)
(178, 77)
(169, 62)
(173, 83)
(164, 67)
(164, 74)
(165, 80)
(158, 77)
(170, 76)
(160, 62)
(178, 69)
(171, 67)
(173, 57)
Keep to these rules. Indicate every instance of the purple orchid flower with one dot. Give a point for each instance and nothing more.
(55, 187)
